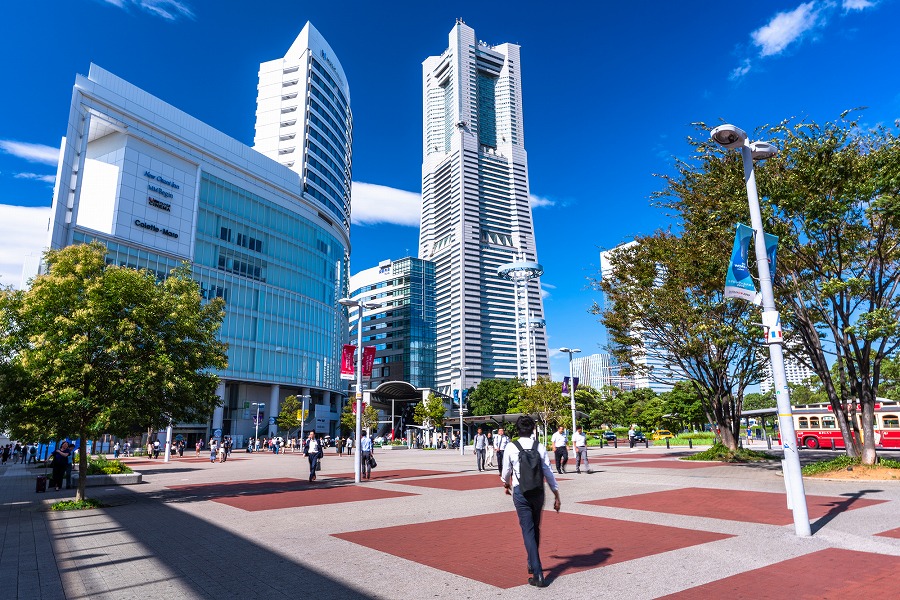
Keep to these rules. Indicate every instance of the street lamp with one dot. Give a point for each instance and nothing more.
(458, 371)
(570, 352)
(359, 351)
(257, 405)
(733, 137)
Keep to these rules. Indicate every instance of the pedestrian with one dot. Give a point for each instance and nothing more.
(32, 453)
(127, 448)
(116, 449)
(579, 449)
(312, 450)
(156, 449)
(181, 448)
(365, 453)
(349, 446)
(526, 466)
(631, 438)
(149, 449)
(480, 444)
(7, 452)
(560, 450)
(223, 456)
(212, 451)
(339, 446)
(58, 463)
(500, 442)
(490, 453)
(197, 449)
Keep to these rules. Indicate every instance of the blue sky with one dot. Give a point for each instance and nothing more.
(609, 93)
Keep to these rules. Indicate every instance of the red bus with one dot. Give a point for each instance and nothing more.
(816, 426)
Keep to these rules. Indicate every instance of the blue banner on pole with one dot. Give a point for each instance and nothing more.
(565, 386)
(738, 283)
(771, 250)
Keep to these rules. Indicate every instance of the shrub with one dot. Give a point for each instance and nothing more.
(99, 465)
(76, 504)
(719, 452)
(840, 463)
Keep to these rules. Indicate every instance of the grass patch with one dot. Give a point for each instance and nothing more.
(684, 439)
(77, 504)
(719, 452)
(844, 462)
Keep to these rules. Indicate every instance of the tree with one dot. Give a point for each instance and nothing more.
(757, 401)
(684, 406)
(890, 379)
(92, 348)
(430, 412)
(493, 396)
(545, 400)
(368, 420)
(288, 416)
(668, 319)
(831, 196)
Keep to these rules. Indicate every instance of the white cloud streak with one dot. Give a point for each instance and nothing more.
(23, 230)
(849, 5)
(785, 28)
(36, 176)
(170, 10)
(38, 153)
(740, 71)
(539, 201)
(372, 204)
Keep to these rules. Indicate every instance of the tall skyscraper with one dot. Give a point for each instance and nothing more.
(475, 211)
(303, 120)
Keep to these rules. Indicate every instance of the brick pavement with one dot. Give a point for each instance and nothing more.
(177, 536)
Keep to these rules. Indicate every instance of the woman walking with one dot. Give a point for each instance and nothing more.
(59, 463)
(489, 450)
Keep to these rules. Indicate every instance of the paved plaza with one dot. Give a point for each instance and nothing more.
(429, 525)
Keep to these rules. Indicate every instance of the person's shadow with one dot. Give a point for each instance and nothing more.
(839, 507)
(595, 558)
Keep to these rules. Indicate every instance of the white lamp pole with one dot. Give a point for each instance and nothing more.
(256, 438)
(733, 137)
(570, 352)
(357, 463)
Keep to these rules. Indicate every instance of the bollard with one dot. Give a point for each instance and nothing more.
(647, 443)
(769, 441)
(690, 443)
(667, 443)
(616, 443)
(832, 445)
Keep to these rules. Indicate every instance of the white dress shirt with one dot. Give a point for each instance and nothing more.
(558, 440)
(511, 463)
(579, 440)
(500, 442)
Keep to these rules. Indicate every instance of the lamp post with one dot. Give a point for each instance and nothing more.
(570, 352)
(359, 352)
(256, 435)
(733, 137)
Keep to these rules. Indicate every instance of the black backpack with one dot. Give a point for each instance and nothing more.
(531, 469)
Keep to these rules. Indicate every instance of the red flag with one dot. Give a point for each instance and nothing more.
(368, 360)
(347, 369)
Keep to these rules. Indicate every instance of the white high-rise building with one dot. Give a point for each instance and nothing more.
(303, 120)
(475, 210)
(794, 371)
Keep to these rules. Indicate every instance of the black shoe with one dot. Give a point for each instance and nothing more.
(578, 471)
(537, 581)
(530, 571)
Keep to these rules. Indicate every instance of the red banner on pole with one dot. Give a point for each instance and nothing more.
(368, 360)
(347, 370)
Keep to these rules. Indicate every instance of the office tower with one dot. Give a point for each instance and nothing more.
(794, 371)
(402, 329)
(475, 211)
(158, 187)
(303, 120)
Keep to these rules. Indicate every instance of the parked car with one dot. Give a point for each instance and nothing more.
(609, 436)
(639, 437)
(662, 434)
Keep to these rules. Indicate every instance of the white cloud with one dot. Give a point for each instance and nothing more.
(373, 203)
(23, 230)
(170, 10)
(38, 153)
(36, 176)
(545, 290)
(785, 28)
(539, 201)
(849, 5)
(740, 71)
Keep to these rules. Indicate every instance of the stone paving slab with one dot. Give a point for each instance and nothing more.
(569, 544)
(735, 505)
(831, 573)
(310, 497)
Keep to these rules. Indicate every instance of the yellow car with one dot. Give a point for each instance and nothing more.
(662, 434)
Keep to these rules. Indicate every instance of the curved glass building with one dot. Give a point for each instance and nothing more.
(269, 234)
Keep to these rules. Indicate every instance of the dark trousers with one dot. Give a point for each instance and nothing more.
(562, 458)
(365, 469)
(479, 459)
(59, 472)
(500, 461)
(313, 463)
(529, 508)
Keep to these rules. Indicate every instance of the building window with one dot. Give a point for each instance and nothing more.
(225, 234)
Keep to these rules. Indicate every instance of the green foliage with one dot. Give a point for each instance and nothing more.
(544, 399)
(838, 463)
(83, 504)
(287, 414)
(368, 420)
(430, 412)
(757, 401)
(886, 462)
(493, 396)
(720, 452)
(100, 465)
(93, 349)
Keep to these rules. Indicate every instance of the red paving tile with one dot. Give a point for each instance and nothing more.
(850, 574)
(460, 483)
(667, 464)
(396, 474)
(732, 505)
(569, 544)
(893, 533)
(236, 488)
(312, 496)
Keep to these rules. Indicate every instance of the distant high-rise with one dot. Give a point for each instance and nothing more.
(303, 120)
(475, 210)
(795, 372)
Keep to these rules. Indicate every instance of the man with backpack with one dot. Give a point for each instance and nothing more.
(525, 467)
